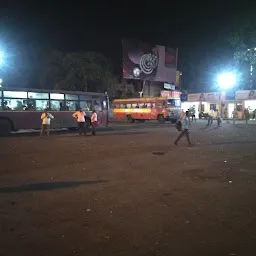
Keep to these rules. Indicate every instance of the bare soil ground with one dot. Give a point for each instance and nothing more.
(130, 193)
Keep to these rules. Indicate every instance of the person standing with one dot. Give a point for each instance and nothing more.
(46, 122)
(210, 118)
(80, 118)
(218, 117)
(94, 122)
(184, 131)
(235, 116)
(246, 115)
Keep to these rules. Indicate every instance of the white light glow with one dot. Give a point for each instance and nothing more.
(1, 57)
(226, 80)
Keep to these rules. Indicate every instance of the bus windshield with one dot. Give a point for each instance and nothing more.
(174, 103)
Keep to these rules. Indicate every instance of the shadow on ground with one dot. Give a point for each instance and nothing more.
(47, 186)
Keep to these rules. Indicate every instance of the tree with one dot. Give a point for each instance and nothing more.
(89, 71)
(243, 39)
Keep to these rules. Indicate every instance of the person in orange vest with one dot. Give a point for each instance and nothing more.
(80, 118)
(94, 122)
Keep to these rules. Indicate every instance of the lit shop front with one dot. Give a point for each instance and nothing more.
(248, 97)
(204, 102)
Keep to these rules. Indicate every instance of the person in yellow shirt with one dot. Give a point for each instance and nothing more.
(80, 118)
(94, 122)
(46, 122)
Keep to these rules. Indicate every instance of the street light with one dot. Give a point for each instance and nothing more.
(226, 80)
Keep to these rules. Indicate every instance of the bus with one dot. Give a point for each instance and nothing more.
(21, 109)
(141, 109)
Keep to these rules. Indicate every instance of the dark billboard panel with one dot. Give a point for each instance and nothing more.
(149, 62)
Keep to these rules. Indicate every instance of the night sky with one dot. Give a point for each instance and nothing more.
(199, 29)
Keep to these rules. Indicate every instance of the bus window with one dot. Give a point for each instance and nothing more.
(15, 94)
(134, 105)
(159, 105)
(153, 105)
(122, 106)
(57, 96)
(41, 105)
(104, 104)
(38, 95)
(173, 102)
(84, 105)
(57, 105)
(89, 104)
(97, 105)
(128, 105)
(14, 104)
(72, 105)
(149, 105)
(71, 97)
(116, 106)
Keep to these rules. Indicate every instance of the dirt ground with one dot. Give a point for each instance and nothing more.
(130, 192)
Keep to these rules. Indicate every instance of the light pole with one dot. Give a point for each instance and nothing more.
(225, 81)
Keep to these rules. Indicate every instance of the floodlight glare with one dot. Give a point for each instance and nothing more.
(1, 57)
(226, 80)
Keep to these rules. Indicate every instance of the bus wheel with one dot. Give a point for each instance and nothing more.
(173, 121)
(129, 119)
(141, 120)
(161, 119)
(5, 127)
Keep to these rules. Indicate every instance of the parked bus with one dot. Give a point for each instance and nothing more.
(158, 108)
(22, 108)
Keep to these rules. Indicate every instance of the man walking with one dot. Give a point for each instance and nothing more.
(80, 118)
(184, 132)
(46, 121)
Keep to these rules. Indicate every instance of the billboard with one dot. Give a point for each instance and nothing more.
(193, 97)
(245, 95)
(149, 62)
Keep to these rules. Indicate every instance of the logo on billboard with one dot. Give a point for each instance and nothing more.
(148, 62)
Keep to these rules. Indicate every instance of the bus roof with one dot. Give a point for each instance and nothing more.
(51, 91)
(148, 99)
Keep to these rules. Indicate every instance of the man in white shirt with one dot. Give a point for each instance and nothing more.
(46, 122)
(80, 118)
(94, 122)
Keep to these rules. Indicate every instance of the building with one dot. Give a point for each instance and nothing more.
(223, 101)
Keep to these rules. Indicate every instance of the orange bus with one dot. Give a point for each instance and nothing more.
(141, 109)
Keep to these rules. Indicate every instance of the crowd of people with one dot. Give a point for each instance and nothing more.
(83, 122)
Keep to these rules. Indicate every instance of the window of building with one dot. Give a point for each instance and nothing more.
(15, 94)
(38, 95)
(239, 107)
(213, 107)
(71, 97)
(57, 96)
(72, 105)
